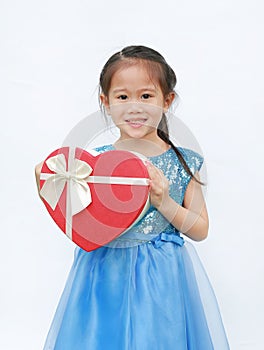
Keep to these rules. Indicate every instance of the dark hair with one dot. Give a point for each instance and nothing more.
(159, 71)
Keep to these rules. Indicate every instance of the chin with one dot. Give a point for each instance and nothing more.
(139, 133)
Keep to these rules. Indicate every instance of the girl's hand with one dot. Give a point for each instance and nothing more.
(37, 174)
(159, 185)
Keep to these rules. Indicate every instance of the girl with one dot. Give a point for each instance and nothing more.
(146, 290)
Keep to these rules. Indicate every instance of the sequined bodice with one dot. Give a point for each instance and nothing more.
(153, 223)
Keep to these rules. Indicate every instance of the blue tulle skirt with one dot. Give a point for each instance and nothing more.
(153, 296)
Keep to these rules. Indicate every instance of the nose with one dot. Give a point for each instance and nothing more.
(134, 108)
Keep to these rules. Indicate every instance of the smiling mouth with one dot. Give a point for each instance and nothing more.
(136, 122)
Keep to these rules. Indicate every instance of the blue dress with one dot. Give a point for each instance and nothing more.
(146, 290)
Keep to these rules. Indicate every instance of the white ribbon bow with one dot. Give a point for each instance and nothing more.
(79, 194)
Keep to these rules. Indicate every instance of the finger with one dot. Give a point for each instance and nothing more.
(152, 167)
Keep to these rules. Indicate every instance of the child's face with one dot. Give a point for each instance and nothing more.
(135, 103)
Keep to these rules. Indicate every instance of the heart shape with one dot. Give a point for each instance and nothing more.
(94, 198)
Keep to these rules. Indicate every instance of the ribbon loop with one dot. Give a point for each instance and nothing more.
(78, 170)
(166, 237)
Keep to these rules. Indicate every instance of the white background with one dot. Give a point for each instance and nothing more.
(51, 55)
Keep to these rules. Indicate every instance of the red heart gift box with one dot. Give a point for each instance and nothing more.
(94, 198)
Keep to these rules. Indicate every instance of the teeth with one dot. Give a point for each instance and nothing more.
(136, 121)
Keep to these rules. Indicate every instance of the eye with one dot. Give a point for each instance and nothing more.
(145, 96)
(122, 97)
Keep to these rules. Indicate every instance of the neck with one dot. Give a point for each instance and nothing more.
(146, 147)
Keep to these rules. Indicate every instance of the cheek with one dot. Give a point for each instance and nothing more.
(154, 112)
(117, 111)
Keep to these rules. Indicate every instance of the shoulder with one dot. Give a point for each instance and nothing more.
(193, 159)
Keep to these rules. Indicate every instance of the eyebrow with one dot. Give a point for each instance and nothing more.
(147, 88)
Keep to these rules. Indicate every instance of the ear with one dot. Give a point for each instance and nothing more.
(105, 102)
(168, 101)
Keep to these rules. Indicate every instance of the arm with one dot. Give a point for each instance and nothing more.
(191, 218)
